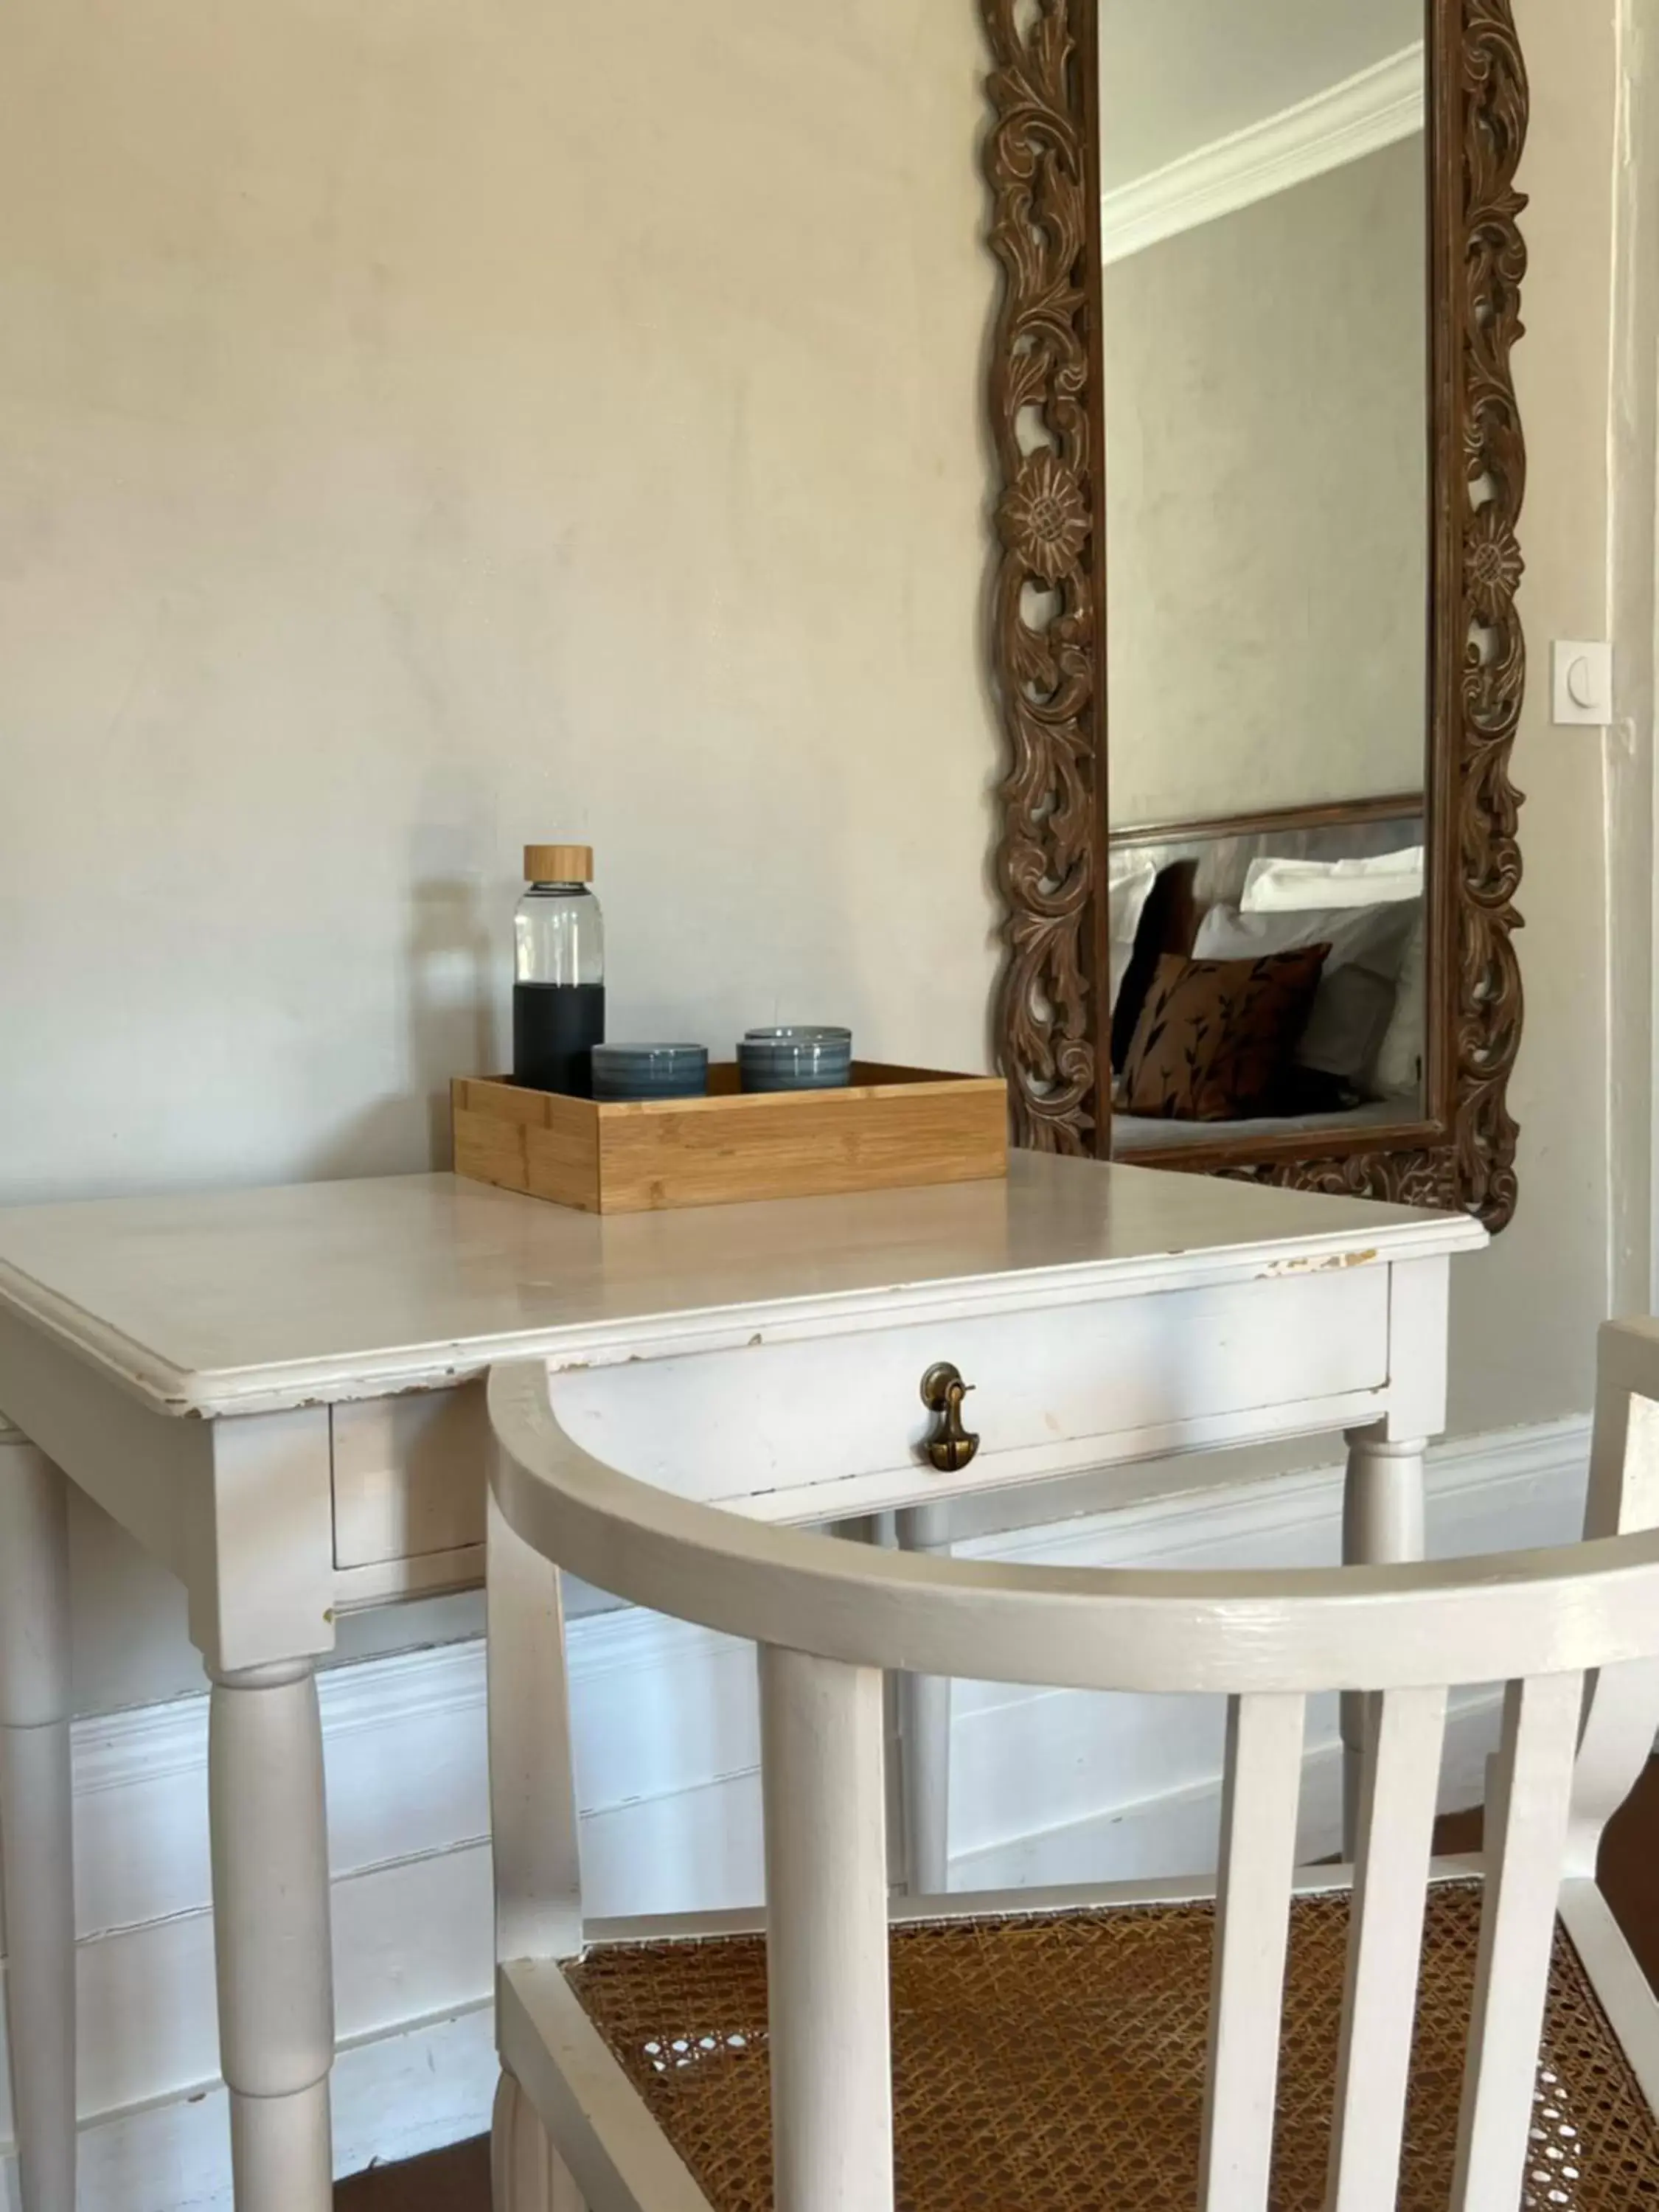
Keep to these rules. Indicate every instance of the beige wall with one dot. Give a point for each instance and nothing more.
(423, 427)
(1524, 1314)
(1266, 516)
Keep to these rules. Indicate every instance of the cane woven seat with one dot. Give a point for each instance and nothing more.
(1057, 2064)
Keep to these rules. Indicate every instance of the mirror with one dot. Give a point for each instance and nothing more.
(1260, 669)
(1264, 340)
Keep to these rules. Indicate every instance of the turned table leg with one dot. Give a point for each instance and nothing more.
(925, 1742)
(271, 1935)
(1383, 1507)
(36, 1837)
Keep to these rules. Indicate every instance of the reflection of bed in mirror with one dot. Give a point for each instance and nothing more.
(1267, 975)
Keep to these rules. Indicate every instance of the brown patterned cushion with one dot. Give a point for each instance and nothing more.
(1215, 1037)
(1167, 923)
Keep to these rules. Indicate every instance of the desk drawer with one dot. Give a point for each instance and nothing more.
(409, 1475)
(808, 1430)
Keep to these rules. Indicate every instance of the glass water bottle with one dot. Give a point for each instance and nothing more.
(558, 972)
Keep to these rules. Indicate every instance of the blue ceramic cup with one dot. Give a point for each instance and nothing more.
(650, 1071)
(796, 1058)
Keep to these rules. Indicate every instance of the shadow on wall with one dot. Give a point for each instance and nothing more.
(448, 970)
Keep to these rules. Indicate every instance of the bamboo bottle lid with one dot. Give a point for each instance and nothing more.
(558, 864)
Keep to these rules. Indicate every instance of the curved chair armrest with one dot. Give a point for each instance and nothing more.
(1234, 1633)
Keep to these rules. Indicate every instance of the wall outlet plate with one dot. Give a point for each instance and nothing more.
(1583, 674)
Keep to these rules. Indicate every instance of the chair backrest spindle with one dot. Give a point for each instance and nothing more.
(532, 1784)
(823, 1784)
(1399, 1783)
(1259, 1801)
(1525, 1841)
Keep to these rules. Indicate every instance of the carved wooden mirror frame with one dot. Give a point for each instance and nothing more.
(1052, 1017)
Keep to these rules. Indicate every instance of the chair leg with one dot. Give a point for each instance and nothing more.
(526, 2174)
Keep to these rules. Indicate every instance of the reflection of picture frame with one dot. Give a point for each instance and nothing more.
(1053, 1012)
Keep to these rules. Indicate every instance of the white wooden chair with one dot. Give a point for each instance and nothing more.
(1362, 2038)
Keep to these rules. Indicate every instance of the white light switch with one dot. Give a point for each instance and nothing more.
(1583, 681)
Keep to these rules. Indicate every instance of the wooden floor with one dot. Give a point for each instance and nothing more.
(449, 2181)
(458, 2180)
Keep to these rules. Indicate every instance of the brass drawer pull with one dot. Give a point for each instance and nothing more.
(952, 1446)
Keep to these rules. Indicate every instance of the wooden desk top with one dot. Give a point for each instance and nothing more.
(243, 1301)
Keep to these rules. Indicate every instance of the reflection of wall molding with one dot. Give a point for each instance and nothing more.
(1379, 107)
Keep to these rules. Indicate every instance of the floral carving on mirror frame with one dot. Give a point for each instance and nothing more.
(1052, 1013)
(1044, 615)
(1485, 995)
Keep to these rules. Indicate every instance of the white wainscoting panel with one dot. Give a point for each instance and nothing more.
(1047, 1786)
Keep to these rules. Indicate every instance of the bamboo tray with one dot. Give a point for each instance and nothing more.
(890, 1128)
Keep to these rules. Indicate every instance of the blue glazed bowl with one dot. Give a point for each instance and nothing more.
(799, 1058)
(650, 1071)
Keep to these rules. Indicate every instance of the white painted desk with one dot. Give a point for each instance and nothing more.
(269, 1389)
